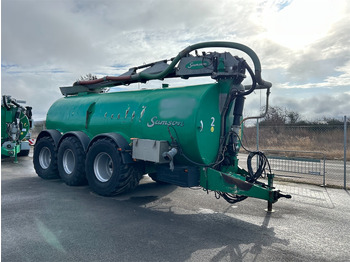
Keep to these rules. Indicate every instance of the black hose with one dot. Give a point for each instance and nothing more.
(4, 100)
(253, 79)
(230, 198)
(262, 162)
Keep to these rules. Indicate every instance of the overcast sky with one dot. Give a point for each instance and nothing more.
(303, 45)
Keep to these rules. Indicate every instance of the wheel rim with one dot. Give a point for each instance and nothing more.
(103, 167)
(45, 157)
(68, 161)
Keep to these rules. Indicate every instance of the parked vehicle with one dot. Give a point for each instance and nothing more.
(16, 121)
(188, 136)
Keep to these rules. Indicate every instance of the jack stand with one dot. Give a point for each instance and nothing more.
(270, 185)
(269, 208)
(17, 149)
(16, 158)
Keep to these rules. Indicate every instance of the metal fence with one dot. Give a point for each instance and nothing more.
(315, 153)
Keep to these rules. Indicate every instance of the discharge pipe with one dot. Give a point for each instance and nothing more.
(139, 77)
(169, 156)
(243, 48)
(266, 108)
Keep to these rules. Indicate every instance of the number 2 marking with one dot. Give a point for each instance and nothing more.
(212, 122)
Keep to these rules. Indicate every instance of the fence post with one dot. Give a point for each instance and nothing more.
(324, 170)
(345, 136)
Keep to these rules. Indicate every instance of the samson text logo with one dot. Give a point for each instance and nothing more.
(197, 64)
(155, 122)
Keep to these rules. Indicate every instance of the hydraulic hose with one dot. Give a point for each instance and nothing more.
(4, 101)
(100, 80)
(252, 88)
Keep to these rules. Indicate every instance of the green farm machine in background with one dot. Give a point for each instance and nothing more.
(187, 136)
(16, 121)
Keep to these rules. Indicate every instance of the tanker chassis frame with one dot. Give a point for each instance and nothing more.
(110, 140)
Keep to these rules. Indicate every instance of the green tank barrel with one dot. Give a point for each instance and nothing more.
(191, 115)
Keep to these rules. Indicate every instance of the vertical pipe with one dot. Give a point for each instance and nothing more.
(257, 135)
(324, 170)
(345, 135)
(257, 142)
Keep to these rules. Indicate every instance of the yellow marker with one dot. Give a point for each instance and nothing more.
(212, 129)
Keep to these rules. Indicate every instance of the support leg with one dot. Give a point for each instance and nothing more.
(16, 158)
(270, 185)
(17, 149)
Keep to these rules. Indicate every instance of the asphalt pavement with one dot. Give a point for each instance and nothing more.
(46, 220)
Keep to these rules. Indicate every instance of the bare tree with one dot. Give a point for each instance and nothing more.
(90, 76)
(293, 117)
(86, 77)
(275, 116)
(280, 116)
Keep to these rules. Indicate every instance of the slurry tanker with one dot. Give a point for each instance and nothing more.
(187, 136)
(16, 121)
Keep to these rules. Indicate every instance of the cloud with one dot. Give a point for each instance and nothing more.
(46, 34)
(317, 107)
(47, 44)
(299, 23)
(325, 57)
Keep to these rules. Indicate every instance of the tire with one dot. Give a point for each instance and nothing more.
(45, 158)
(107, 175)
(71, 162)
